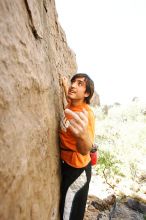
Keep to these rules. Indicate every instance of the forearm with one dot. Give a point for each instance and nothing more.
(84, 144)
(65, 90)
(65, 85)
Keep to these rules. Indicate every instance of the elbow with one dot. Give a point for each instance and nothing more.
(84, 148)
(84, 151)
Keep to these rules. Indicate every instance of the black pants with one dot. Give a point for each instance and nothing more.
(74, 191)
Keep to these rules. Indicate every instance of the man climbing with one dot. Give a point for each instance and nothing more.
(76, 141)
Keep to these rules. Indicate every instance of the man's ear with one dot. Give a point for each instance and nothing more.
(86, 94)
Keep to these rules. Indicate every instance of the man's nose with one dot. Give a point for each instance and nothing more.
(73, 85)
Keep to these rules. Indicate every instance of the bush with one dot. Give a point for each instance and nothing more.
(108, 166)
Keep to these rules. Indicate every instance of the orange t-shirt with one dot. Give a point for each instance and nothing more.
(68, 142)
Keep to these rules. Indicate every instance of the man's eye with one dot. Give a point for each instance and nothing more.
(80, 84)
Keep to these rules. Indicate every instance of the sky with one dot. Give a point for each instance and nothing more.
(109, 40)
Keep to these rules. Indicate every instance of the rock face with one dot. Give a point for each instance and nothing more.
(34, 53)
(95, 101)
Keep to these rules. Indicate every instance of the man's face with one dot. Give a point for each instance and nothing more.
(77, 89)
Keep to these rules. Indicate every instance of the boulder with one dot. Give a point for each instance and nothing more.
(34, 53)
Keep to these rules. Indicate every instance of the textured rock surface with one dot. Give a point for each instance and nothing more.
(95, 101)
(104, 204)
(34, 53)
